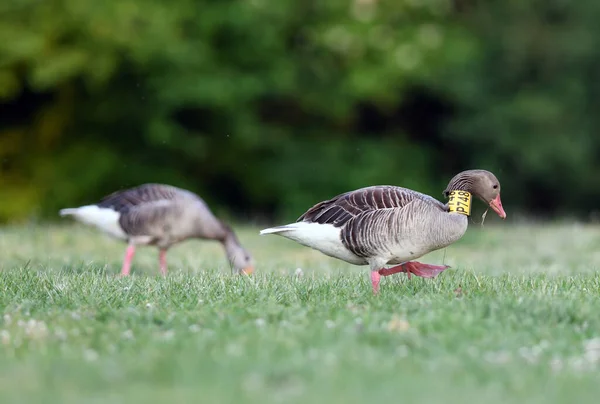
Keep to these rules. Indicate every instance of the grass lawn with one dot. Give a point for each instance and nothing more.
(515, 320)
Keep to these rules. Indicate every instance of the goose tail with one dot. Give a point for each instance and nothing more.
(278, 229)
(68, 212)
(106, 219)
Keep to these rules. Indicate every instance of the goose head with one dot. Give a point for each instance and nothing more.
(242, 261)
(238, 256)
(480, 183)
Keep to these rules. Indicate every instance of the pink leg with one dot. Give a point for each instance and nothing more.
(416, 268)
(426, 270)
(375, 281)
(162, 258)
(129, 253)
(393, 270)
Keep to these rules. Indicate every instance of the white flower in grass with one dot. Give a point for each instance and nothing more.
(253, 382)
(579, 364)
(260, 322)
(60, 334)
(168, 335)
(592, 344)
(581, 328)
(397, 324)
(90, 355)
(500, 357)
(529, 354)
(36, 329)
(234, 350)
(330, 359)
(592, 350)
(5, 337)
(402, 351)
(556, 364)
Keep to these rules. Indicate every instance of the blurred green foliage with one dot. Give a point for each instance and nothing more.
(266, 107)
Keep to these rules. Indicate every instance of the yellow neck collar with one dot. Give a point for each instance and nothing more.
(459, 202)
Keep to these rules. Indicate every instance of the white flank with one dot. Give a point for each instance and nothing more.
(105, 219)
(322, 237)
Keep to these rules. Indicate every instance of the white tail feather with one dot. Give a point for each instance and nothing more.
(105, 219)
(272, 230)
(67, 212)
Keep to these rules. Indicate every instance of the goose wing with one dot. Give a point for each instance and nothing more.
(148, 209)
(369, 217)
(122, 201)
(344, 207)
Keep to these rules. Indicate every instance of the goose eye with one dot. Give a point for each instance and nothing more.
(495, 187)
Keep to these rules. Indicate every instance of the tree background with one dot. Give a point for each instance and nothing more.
(267, 107)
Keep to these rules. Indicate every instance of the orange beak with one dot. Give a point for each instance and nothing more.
(248, 270)
(496, 205)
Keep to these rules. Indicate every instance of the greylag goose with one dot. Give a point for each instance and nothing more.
(381, 225)
(160, 215)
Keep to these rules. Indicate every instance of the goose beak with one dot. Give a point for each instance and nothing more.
(496, 205)
(248, 270)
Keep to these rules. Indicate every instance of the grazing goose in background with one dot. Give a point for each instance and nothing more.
(382, 225)
(160, 215)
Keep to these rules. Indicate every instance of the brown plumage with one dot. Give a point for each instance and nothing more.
(382, 225)
(357, 212)
(160, 215)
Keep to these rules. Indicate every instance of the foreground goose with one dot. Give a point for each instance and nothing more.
(160, 215)
(382, 225)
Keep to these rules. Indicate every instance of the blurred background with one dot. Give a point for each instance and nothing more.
(267, 107)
